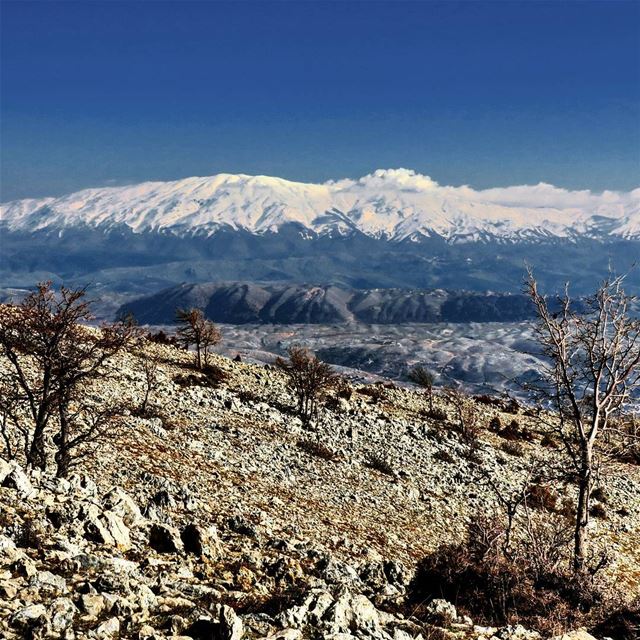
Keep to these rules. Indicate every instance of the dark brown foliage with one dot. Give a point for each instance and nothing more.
(522, 587)
(373, 391)
(512, 448)
(317, 449)
(424, 379)
(211, 376)
(49, 396)
(163, 338)
(307, 378)
(380, 464)
(542, 497)
(194, 329)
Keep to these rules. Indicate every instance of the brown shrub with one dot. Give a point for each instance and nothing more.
(513, 448)
(496, 589)
(211, 376)
(314, 448)
(542, 498)
(598, 511)
(379, 464)
(444, 456)
(375, 392)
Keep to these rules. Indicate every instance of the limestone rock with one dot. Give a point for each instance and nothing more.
(122, 504)
(17, 479)
(165, 539)
(441, 612)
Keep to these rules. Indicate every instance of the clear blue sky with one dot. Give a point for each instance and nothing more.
(483, 93)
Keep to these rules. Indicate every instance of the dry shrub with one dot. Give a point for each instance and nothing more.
(529, 585)
(600, 495)
(621, 624)
(513, 448)
(495, 424)
(247, 395)
(598, 511)
(444, 456)
(436, 414)
(542, 498)
(549, 441)
(343, 388)
(161, 337)
(314, 448)
(211, 376)
(373, 391)
(379, 464)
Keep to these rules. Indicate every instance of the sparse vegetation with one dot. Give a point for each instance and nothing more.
(194, 329)
(594, 366)
(317, 449)
(424, 379)
(528, 584)
(307, 377)
(380, 464)
(52, 359)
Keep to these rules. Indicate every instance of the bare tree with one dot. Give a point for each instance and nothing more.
(194, 329)
(423, 378)
(593, 369)
(51, 358)
(466, 415)
(307, 377)
(150, 366)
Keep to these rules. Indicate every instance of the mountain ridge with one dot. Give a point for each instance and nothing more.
(393, 204)
(247, 302)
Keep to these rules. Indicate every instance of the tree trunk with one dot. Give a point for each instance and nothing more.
(37, 452)
(582, 512)
(63, 457)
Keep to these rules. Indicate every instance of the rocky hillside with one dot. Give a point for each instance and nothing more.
(219, 515)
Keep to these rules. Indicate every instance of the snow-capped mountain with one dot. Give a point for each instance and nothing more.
(392, 228)
(395, 204)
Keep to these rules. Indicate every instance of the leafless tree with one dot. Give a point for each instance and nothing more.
(307, 377)
(592, 372)
(150, 366)
(51, 358)
(424, 379)
(466, 416)
(194, 329)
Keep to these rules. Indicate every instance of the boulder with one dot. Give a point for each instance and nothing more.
(47, 582)
(62, 612)
(351, 612)
(441, 612)
(107, 528)
(31, 617)
(165, 539)
(18, 480)
(228, 627)
(201, 542)
(123, 505)
(578, 634)
(108, 629)
(92, 604)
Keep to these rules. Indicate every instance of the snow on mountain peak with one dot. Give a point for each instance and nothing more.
(393, 203)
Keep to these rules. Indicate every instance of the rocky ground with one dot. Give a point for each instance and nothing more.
(216, 517)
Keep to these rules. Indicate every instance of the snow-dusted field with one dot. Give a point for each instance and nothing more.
(484, 357)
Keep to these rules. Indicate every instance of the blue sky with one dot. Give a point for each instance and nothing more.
(482, 93)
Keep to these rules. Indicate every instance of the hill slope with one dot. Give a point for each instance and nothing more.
(227, 521)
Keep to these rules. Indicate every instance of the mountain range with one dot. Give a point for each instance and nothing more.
(242, 303)
(391, 228)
